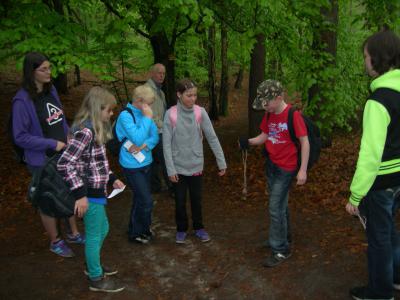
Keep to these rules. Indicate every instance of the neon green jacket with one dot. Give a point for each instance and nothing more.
(378, 165)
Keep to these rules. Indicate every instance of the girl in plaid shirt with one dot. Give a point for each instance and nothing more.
(86, 170)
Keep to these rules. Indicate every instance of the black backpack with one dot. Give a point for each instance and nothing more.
(49, 191)
(17, 150)
(114, 145)
(314, 138)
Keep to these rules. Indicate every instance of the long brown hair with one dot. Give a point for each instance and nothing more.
(32, 61)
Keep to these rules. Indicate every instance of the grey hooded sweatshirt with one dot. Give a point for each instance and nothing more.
(183, 144)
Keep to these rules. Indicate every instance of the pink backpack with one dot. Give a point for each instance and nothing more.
(173, 116)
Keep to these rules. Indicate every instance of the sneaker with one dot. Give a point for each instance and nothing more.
(76, 239)
(61, 248)
(180, 237)
(141, 239)
(362, 293)
(202, 235)
(106, 271)
(105, 284)
(150, 235)
(276, 258)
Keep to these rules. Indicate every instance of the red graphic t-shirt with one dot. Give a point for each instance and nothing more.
(280, 147)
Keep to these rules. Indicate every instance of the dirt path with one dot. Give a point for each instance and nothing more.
(328, 246)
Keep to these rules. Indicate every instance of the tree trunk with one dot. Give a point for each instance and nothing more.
(165, 54)
(325, 41)
(61, 81)
(256, 76)
(224, 88)
(213, 111)
(239, 78)
(77, 75)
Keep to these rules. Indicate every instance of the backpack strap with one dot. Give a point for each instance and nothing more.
(173, 115)
(290, 125)
(115, 127)
(197, 114)
(131, 113)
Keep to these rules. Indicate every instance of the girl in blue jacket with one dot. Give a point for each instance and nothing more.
(135, 158)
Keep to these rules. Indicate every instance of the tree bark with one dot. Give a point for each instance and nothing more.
(239, 78)
(61, 81)
(256, 76)
(224, 88)
(164, 53)
(213, 111)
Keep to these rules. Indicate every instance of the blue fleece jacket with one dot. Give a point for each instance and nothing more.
(144, 131)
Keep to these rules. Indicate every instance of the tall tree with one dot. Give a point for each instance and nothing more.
(224, 86)
(257, 75)
(212, 94)
(162, 23)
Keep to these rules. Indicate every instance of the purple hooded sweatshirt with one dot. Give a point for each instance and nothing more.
(27, 130)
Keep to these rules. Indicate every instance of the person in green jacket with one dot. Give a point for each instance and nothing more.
(375, 187)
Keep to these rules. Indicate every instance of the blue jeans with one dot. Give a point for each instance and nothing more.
(279, 182)
(96, 229)
(142, 203)
(379, 208)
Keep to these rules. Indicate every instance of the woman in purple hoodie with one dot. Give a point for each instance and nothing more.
(40, 128)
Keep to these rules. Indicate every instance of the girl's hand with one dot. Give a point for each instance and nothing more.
(134, 149)
(222, 172)
(174, 178)
(81, 206)
(118, 184)
(60, 146)
(146, 110)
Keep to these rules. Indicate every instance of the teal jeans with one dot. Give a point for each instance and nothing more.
(96, 229)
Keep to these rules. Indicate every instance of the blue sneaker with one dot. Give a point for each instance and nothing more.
(61, 248)
(76, 239)
(202, 235)
(180, 237)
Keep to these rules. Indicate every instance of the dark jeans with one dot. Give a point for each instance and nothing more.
(194, 185)
(158, 168)
(142, 203)
(279, 182)
(379, 208)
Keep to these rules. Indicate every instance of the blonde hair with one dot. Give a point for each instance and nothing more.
(145, 93)
(91, 108)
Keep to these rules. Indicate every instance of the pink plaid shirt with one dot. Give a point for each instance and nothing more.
(74, 162)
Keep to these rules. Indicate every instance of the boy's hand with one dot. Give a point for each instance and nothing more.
(243, 143)
(222, 172)
(301, 177)
(352, 209)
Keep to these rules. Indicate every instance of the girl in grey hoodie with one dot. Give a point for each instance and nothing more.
(183, 130)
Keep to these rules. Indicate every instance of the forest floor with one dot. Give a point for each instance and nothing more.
(328, 245)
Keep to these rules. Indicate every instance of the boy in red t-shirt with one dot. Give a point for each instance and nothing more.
(281, 164)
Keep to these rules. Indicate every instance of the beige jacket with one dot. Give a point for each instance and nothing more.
(159, 106)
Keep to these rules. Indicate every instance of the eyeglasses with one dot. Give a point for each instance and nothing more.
(44, 70)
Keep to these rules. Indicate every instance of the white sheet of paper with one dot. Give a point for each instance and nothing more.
(138, 156)
(116, 192)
